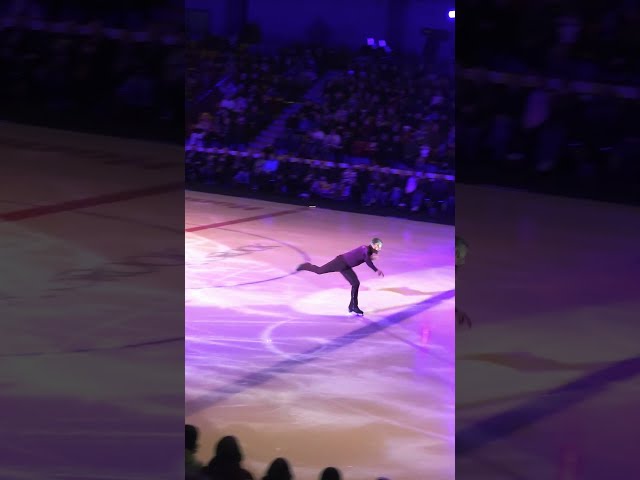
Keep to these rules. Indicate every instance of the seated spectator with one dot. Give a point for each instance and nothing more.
(226, 465)
(242, 177)
(333, 140)
(322, 187)
(318, 135)
(228, 102)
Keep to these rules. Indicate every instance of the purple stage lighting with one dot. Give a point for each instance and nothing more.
(452, 14)
(382, 43)
(371, 42)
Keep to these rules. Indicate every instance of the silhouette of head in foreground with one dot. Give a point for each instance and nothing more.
(278, 470)
(330, 473)
(226, 464)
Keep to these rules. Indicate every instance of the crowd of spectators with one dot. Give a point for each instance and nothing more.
(236, 90)
(227, 463)
(381, 112)
(373, 111)
(596, 40)
(207, 62)
(353, 187)
(74, 65)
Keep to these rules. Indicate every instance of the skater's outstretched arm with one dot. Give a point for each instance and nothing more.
(369, 252)
(369, 262)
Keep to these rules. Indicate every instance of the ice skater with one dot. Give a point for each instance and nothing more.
(344, 264)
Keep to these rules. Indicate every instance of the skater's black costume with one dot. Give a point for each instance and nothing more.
(344, 264)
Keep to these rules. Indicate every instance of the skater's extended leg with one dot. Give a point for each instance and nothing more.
(335, 265)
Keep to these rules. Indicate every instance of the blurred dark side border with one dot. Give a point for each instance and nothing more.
(93, 306)
(622, 191)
